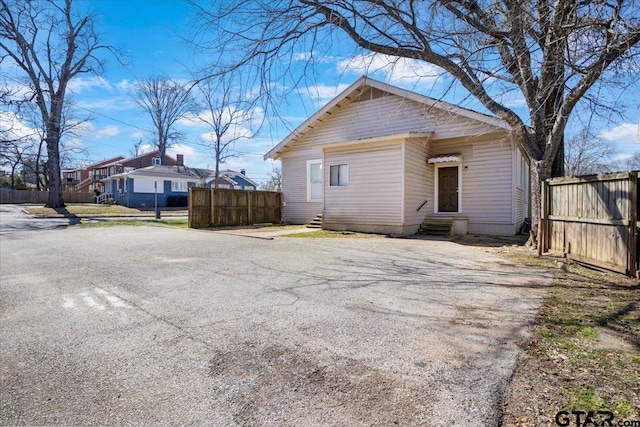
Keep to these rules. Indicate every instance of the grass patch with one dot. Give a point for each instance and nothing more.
(584, 350)
(586, 340)
(587, 399)
(588, 333)
(176, 223)
(322, 234)
(89, 209)
(85, 209)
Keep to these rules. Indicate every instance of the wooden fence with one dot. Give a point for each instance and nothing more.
(37, 197)
(220, 208)
(592, 220)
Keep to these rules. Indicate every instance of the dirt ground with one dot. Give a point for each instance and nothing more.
(584, 349)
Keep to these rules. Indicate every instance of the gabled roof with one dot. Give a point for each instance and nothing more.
(166, 172)
(105, 162)
(184, 172)
(238, 176)
(358, 87)
(121, 159)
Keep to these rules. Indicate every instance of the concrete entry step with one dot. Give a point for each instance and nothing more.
(316, 222)
(437, 226)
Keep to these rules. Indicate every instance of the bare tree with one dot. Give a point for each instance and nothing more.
(166, 102)
(274, 183)
(587, 154)
(549, 52)
(229, 114)
(633, 163)
(51, 45)
(136, 150)
(12, 155)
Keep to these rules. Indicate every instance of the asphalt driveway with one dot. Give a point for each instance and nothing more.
(150, 325)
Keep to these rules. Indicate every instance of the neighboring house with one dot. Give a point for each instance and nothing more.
(79, 179)
(378, 158)
(122, 165)
(233, 180)
(138, 188)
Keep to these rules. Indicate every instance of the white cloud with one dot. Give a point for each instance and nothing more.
(315, 57)
(146, 148)
(622, 158)
(89, 129)
(107, 132)
(16, 126)
(115, 103)
(322, 93)
(81, 84)
(126, 85)
(394, 69)
(237, 163)
(186, 150)
(514, 101)
(193, 120)
(138, 134)
(625, 132)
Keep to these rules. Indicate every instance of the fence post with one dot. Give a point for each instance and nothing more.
(190, 204)
(542, 226)
(632, 255)
(248, 207)
(212, 205)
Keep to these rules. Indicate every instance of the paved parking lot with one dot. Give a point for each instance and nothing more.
(150, 325)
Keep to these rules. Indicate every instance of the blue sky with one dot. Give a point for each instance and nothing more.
(149, 33)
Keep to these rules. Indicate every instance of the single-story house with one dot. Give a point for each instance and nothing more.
(138, 188)
(233, 180)
(379, 158)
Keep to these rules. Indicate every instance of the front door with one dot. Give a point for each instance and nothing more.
(448, 189)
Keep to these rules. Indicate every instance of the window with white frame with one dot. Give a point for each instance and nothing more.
(156, 161)
(338, 175)
(178, 186)
(314, 180)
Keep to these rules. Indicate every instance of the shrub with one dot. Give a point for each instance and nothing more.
(177, 201)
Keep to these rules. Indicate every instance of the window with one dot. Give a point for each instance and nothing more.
(338, 175)
(179, 186)
(156, 161)
(314, 180)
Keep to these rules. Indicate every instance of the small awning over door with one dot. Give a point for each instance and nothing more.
(454, 157)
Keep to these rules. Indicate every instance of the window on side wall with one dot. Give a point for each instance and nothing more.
(179, 186)
(338, 175)
(156, 161)
(314, 180)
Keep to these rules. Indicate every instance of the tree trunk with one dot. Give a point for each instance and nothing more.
(13, 177)
(55, 199)
(217, 174)
(538, 176)
(557, 169)
(37, 170)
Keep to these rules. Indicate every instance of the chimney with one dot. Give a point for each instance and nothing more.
(179, 160)
(243, 172)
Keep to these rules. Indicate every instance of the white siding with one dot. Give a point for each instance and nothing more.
(372, 200)
(521, 183)
(389, 181)
(385, 116)
(294, 187)
(147, 185)
(487, 188)
(418, 183)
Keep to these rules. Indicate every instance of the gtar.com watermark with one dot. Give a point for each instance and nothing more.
(592, 419)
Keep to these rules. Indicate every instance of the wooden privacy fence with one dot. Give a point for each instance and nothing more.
(221, 207)
(30, 196)
(592, 220)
